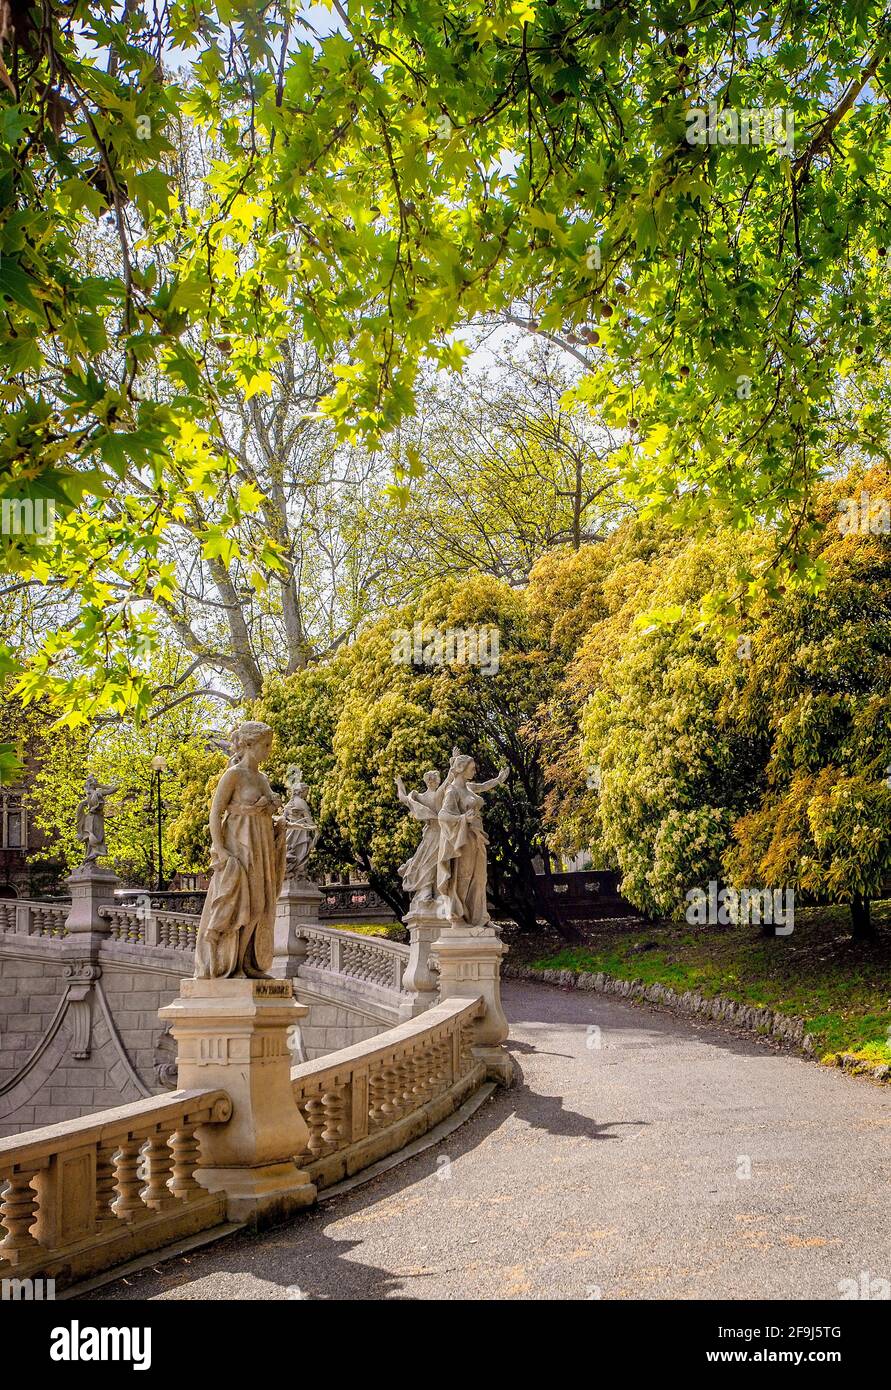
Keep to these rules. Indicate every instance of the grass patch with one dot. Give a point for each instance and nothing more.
(840, 987)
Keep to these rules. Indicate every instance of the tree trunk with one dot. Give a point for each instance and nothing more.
(861, 919)
(385, 887)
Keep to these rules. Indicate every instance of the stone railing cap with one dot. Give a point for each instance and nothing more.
(379, 1046)
(35, 1144)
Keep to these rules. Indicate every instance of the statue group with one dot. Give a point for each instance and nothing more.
(256, 841)
(447, 872)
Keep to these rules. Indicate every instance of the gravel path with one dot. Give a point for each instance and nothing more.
(654, 1158)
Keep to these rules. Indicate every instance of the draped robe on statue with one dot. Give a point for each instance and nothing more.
(461, 871)
(235, 934)
(419, 873)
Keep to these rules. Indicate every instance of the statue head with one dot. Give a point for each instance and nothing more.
(462, 766)
(91, 784)
(294, 781)
(253, 734)
(431, 780)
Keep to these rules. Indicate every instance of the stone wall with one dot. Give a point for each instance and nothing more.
(331, 1025)
(79, 1036)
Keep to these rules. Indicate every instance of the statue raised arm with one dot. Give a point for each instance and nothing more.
(496, 781)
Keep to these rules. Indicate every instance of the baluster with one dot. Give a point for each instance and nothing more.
(440, 1066)
(334, 1110)
(420, 1082)
(377, 1092)
(304, 1156)
(105, 1179)
(186, 1158)
(405, 1089)
(156, 1193)
(129, 1203)
(18, 1210)
(467, 1058)
(315, 1118)
(430, 1069)
(448, 1065)
(390, 1104)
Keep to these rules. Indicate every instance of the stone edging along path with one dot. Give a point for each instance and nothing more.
(787, 1029)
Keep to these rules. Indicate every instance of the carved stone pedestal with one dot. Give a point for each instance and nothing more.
(419, 981)
(469, 960)
(296, 909)
(234, 1034)
(92, 888)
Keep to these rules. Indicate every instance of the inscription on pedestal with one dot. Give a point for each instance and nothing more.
(234, 988)
(273, 989)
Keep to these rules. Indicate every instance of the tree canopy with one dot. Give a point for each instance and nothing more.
(759, 757)
(691, 198)
(376, 713)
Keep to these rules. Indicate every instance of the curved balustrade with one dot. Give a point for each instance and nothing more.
(88, 1194)
(358, 961)
(367, 1101)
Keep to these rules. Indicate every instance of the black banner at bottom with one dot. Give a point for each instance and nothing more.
(173, 1337)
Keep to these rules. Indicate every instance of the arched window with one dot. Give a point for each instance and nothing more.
(13, 820)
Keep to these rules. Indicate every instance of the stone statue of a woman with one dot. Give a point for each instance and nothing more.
(91, 819)
(235, 934)
(461, 866)
(301, 831)
(418, 874)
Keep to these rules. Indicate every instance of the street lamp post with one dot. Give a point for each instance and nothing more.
(159, 765)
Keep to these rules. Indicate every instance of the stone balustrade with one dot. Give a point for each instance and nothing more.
(126, 923)
(175, 930)
(129, 923)
(85, 1195)
(370, 1100)
(142, 926)
(27, 917)
(367, 960)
